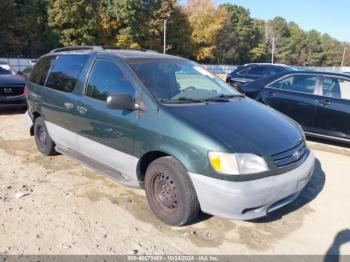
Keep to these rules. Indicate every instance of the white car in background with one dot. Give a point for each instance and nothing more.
(345, 69)
(6, 69)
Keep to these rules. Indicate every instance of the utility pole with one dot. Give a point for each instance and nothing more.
(342, 60)
(164, 40)
(273, 50)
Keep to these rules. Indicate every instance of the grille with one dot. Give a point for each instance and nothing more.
(11, 90)
(290, 156)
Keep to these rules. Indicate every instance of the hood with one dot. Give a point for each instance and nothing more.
(242, 124)
(11, 80)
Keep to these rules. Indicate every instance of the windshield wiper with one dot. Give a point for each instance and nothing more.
(223, 98)
(182, 100)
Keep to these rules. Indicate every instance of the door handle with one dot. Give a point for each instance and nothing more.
(82, 110)
(323, 102)
(271, 93)
(68, 106)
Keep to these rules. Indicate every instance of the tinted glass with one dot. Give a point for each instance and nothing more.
(107, 78)
(172, 79)
(65, 72)
(299, 83)
(244, 72)
(255, 71)
(336, 87)
(269, 71)
(40, 70)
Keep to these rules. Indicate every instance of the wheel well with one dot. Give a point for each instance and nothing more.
(35, 116)
(145, 161)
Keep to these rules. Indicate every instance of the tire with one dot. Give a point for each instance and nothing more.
(43, 140)
(170, 192)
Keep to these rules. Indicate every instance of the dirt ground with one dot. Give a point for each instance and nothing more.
(54, 205)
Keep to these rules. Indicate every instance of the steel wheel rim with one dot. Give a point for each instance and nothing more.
(42, 136)
(164, 193)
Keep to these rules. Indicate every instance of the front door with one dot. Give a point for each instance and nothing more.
(294, 95)
(107, 135)
(333, 118)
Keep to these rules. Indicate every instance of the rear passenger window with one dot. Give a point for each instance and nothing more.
(40, 70)
(106, 78)
(65, 72)
(243, 72)
(336, 87)
(298, 83)
(255, 71)
(269, 71)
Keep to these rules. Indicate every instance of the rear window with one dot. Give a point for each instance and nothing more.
(40, 70)
(65, 72)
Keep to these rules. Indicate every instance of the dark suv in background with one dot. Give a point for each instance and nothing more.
(251, 72)
(12, 87)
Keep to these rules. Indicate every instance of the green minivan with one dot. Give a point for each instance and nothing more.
(167, 125)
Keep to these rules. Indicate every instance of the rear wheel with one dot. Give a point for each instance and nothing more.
(170, 192)
(43, 140)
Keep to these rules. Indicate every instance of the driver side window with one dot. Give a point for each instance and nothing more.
(106, 78)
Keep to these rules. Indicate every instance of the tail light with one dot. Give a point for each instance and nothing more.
(25, 92)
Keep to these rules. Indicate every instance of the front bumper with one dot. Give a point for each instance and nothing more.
(251, 199)
(29, 121)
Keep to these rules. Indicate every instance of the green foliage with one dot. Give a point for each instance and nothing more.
(346, 55)
(206, 22)
(240, 40)
(179, 33)
(196, 29)
(9, 42)
(35, 36)
(24, 30)
(140, 23)
(75, 22)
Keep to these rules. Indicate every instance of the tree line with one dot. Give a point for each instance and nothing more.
(196, 29)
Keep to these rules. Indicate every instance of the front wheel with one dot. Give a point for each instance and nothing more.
(43, 140)
(170, 192)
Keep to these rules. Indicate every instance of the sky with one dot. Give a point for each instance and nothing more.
(326, 16)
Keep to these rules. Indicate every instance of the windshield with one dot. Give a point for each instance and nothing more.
(6, 70)
(175, 79)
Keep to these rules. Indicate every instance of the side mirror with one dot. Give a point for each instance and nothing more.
(120, 101)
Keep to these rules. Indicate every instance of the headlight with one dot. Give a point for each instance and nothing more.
(237, 164)
(302, 132)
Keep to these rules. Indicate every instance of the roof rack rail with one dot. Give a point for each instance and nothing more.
(129, 49)
(96, 48)
(77, 48)
(277, 64)
(122, 48)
